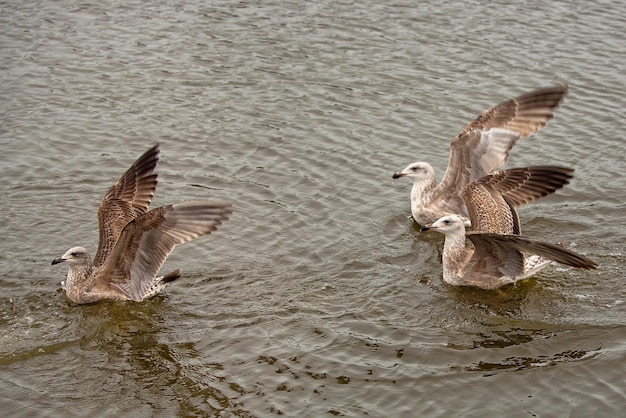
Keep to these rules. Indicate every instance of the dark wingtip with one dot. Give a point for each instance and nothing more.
(592, 265)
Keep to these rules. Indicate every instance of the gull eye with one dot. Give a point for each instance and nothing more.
(74, 254)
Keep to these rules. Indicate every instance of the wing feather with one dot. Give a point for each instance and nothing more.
(494, 258)
(525, 114)
(128, 198)
(145, 243)
(492, 200)
(484, 144)
(508, 243)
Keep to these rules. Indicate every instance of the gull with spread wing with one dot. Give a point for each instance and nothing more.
(134, 241)
(494, 254)
(481, 147)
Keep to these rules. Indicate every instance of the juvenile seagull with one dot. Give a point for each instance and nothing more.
(135, 242)
(495, 254)
(481, 147)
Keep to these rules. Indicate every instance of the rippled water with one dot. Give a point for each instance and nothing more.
(319, 297)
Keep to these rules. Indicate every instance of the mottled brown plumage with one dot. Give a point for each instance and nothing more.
(525, 114)
(481, 147)
(491, 200)
(129, 197)
(495, 254)
(134, 242)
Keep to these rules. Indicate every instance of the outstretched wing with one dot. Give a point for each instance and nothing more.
(525, 114)
(491, 200)
(128, 198)
(145, 243)
(484, 144)
(504, 244)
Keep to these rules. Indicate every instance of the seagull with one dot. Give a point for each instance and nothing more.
(481, 147)
(134, 241)
(494, 254)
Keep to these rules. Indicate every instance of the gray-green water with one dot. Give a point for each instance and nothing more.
(319, 297)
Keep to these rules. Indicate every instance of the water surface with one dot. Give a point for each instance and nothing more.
(319, 297)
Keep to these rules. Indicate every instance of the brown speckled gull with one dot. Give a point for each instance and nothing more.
(481, 147)
(135, 242)
(494, 253)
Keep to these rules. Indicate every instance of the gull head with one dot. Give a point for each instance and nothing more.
(417, 171)
(449, 224)
(75, 256)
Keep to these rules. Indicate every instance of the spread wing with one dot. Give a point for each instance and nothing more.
(502, 247)
(491, 200)
(525, 114)
(145, 243)
(128, 198)
(484, 144)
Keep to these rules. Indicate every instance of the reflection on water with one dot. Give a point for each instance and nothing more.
(319, 297)
(524, 363)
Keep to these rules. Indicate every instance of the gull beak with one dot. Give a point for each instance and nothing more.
(426, 227)
(398, 174)
(58, 260)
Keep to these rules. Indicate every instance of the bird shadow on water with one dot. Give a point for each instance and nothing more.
(154, 358)
(512, 329)
(137, 347)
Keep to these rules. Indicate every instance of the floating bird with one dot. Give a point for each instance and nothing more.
(135, 242)
(480, 148)
(494, 254)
